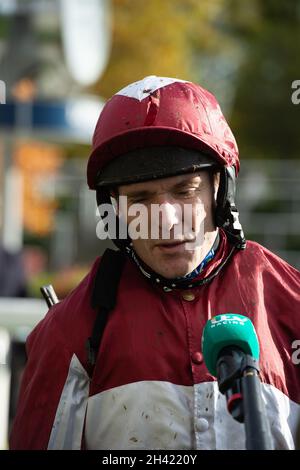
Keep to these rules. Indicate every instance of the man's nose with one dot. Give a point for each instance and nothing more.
(170, 215)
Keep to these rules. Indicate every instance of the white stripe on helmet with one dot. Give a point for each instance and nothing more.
(146, 86)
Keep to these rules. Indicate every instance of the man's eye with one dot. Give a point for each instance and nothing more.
(186, 192)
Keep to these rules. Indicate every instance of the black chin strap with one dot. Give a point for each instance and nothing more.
(227, 215)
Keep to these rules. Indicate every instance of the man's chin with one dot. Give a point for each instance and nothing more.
(172, 266)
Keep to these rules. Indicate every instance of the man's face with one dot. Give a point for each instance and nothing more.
(186, 202)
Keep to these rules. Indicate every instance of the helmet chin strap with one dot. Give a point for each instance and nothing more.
(227, 215)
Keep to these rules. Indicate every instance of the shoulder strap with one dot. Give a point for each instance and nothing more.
(104, 297)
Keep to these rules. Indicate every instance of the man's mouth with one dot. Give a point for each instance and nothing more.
(173, 246)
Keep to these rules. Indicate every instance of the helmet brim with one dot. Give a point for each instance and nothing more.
(153, 163)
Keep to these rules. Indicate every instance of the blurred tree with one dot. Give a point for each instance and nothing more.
(158, 38)
(263, 115)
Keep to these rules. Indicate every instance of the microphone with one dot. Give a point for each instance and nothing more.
(231, 353)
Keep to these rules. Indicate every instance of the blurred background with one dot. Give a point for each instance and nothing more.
(60, 60)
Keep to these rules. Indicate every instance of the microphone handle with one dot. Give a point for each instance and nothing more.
(238, 378)
(258, 434)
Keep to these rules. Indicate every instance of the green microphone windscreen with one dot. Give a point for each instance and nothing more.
(228, 329)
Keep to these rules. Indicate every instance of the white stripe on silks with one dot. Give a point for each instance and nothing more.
(161, 415)
(143, 88)
(68, 424)
(284, 417)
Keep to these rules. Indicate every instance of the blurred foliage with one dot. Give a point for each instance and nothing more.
(63, 281)
(4, 27)
(293, 242)
(264, 118)
(158, 38)
(77, 150)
